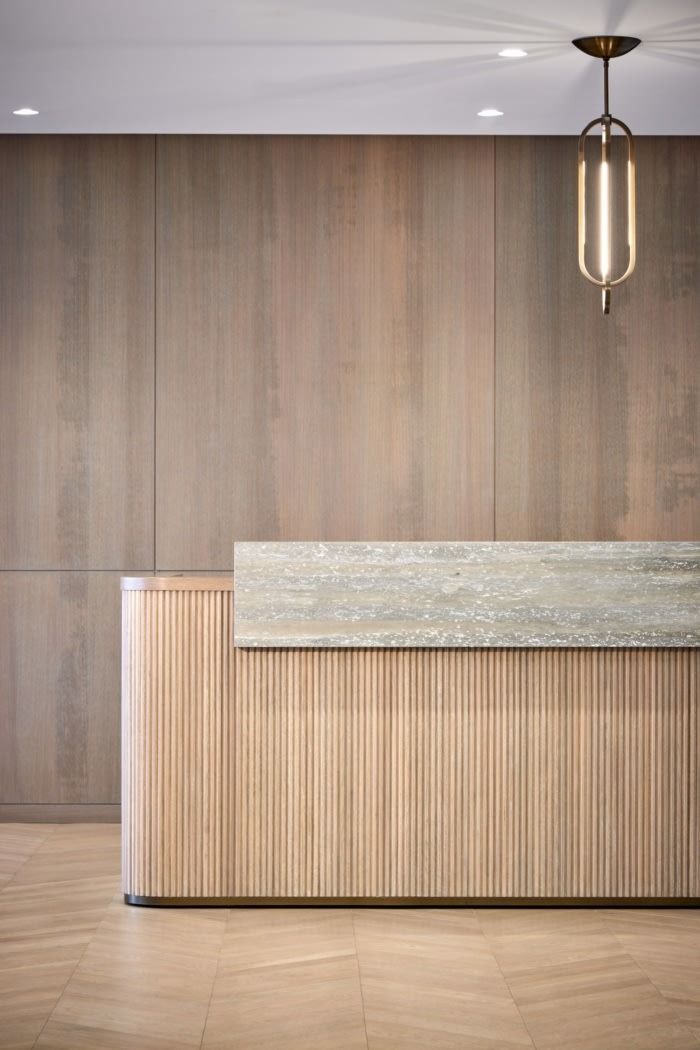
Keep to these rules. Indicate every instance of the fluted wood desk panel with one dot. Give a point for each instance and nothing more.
(437, 773)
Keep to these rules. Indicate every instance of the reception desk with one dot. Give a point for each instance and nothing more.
(316, 775)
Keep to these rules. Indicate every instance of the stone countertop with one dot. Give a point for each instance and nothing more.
(477, 595)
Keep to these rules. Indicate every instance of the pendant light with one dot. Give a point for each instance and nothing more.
(606, 183)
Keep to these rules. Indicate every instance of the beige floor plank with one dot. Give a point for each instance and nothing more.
(526, 937)
(17, 844)
(576, 986)
(74, 851)
(429, 979)
(288, 978)
(147, 973)
(79, 970)
(42, 923)
(665, 943)
(59, 1036)
(90, 837)
(28, 996)
(44, 929)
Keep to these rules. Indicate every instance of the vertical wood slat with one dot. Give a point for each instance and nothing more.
(400, 773)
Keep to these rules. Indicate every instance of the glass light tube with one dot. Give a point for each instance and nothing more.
(596, 260)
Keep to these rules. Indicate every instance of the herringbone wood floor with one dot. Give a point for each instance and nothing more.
(79, 970)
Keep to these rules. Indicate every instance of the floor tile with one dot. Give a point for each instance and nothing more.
(80, 970)
(429, 979)
(59, 1036)
(17, 843)
(576, 986)
(287, 978)
(147, 972)
(44, 930)
(74, 851)
(665, 943)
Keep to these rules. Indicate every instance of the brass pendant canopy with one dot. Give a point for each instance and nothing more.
(601, 176)
(606, 46)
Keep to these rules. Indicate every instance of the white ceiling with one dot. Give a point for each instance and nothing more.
(342, 66)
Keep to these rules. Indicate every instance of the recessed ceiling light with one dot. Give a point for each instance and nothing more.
(512, 52)
(25, 112)
(489, 113)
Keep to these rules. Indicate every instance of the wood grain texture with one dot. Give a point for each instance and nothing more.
(401, 773)
(666, 950)
(49, 911)
(76, 351)
(59, 688)
(17, 844)
(429, 979)
(287, 978)
(597, 418)
(325, 341)
(177, 583)
(324, 306)
(577, 987)
(81, 971)
(149, 981)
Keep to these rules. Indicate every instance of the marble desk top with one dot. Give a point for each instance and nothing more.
(447, 595)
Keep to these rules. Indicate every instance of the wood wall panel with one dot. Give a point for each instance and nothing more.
(59, 688)
(325, 354)
(401, 773)
(76, 351)
(325, 341)
(597, 418)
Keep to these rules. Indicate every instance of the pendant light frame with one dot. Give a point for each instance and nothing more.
(605, 48)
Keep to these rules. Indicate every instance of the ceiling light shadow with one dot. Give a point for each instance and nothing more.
(413, 76)
(505, 24)
(678, 54)
(683, 28)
